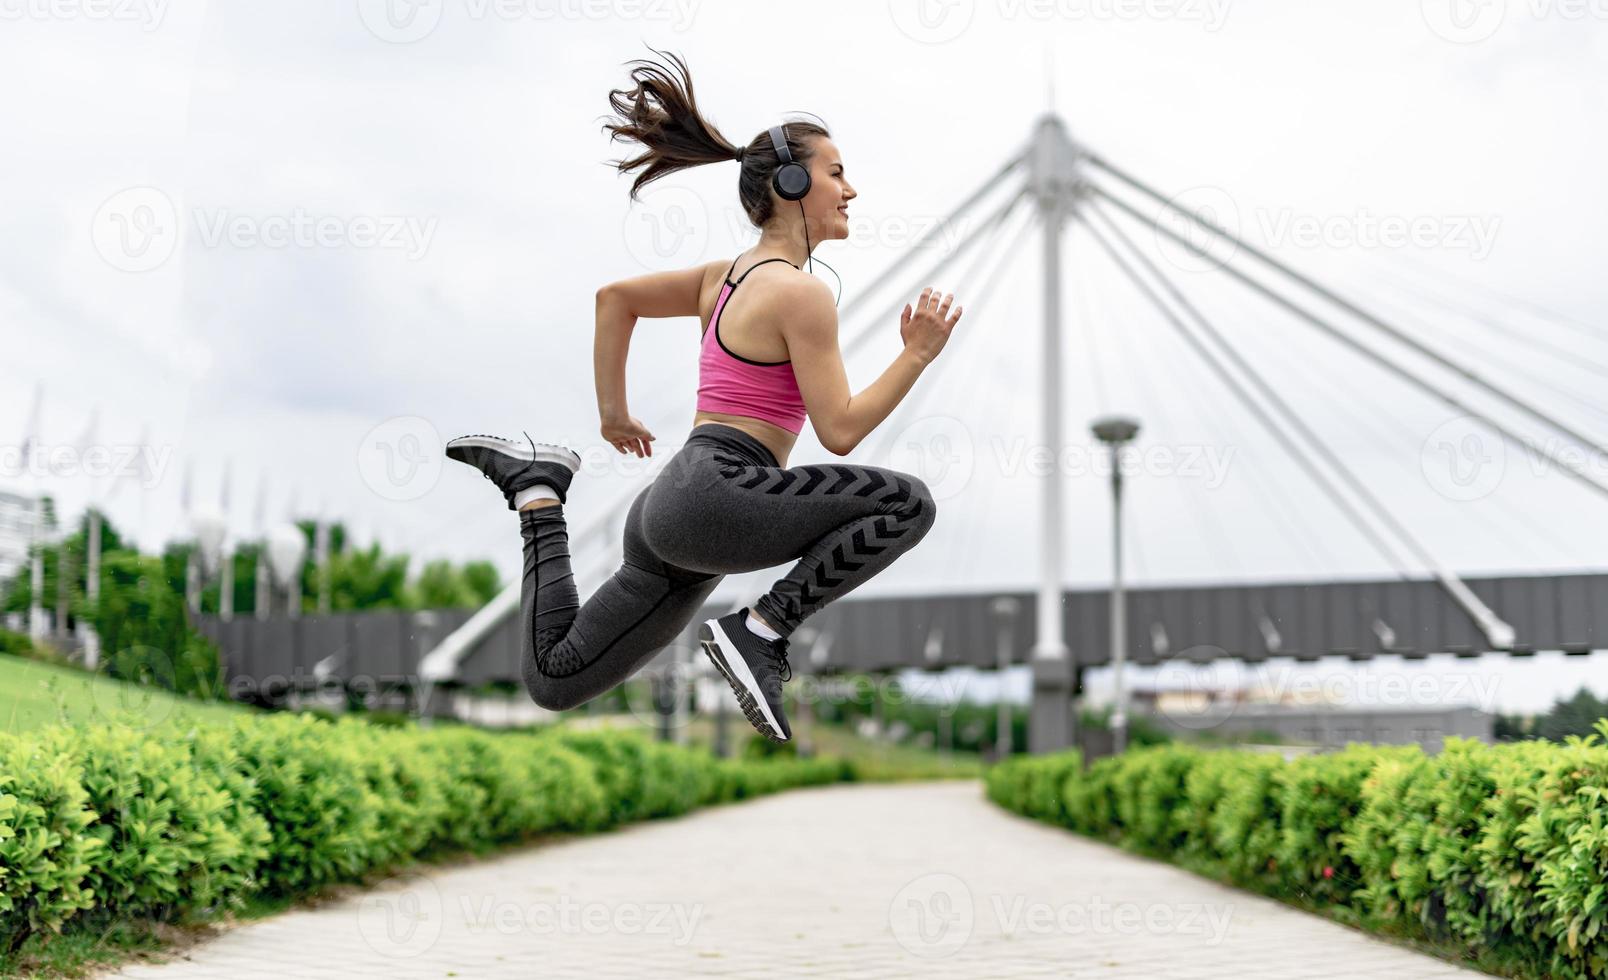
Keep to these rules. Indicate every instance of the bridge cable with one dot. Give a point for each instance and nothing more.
(1498, 632)
(1380, 426)
(1331, 330)
(1365, 316)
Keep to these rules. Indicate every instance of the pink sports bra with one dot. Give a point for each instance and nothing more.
(732, 384)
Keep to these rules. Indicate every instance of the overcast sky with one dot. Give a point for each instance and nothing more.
(310, 241)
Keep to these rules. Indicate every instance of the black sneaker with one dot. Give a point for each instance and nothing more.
(754, 667)
(514, 467)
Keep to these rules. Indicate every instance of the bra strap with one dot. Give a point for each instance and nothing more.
(752, 268)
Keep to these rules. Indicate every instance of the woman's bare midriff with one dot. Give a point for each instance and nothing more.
(777, 439)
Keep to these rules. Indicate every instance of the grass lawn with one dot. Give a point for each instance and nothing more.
(35, 694)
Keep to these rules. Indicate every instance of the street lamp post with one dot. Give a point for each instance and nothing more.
(1004, 609)
(1116, 431)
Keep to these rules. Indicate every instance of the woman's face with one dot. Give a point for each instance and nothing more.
(826, 205)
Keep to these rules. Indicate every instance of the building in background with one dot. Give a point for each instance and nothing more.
(16, 524)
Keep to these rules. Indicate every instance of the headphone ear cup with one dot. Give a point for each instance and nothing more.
(792, 181)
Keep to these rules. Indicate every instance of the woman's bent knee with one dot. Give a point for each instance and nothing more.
(920, 508)
(549, 692)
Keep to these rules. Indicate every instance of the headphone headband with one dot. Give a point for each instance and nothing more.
(792, 179)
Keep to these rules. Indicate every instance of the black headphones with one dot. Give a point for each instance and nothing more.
(791, 179)
(792, 182)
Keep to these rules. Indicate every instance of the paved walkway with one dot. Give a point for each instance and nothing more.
(842, 881)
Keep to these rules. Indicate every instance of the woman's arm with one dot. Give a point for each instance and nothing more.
(842, 420)
(619, 305)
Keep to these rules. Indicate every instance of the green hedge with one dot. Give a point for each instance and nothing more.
(184, 819)
(1496, 851)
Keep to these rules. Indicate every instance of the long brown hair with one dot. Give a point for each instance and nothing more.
(662, 114)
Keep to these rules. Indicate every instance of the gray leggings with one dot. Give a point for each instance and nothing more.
(719, 505)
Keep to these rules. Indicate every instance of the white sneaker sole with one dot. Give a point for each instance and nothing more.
(545, 452)
(714, 640)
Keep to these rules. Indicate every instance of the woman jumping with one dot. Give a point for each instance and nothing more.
(726, 502)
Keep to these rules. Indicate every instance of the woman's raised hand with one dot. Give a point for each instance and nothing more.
(925, 328)
(628, 435)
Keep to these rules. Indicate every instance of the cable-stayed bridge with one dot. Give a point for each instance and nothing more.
(1049, 192)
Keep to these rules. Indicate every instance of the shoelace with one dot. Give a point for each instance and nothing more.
(527, 439)
(776, 650)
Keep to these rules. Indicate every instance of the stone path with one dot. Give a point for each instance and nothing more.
(843, 881)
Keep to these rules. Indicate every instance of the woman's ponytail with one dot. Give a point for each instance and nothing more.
(662, 114)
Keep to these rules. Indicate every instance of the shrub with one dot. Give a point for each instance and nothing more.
(1500, 849)
(45, 851)
(187, 818)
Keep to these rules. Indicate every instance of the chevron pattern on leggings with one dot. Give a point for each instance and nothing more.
(902, 516)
